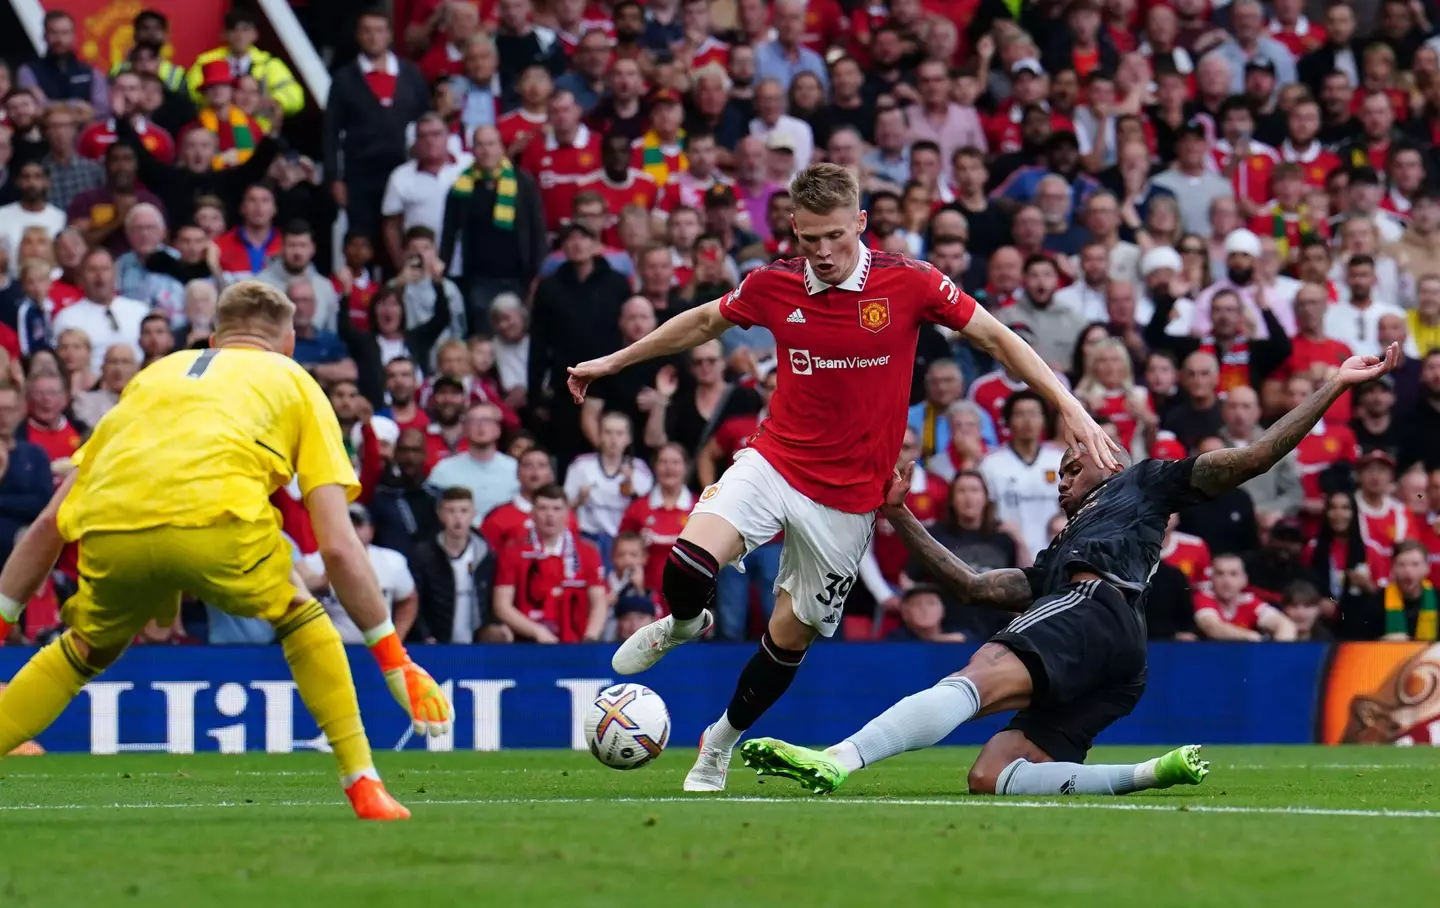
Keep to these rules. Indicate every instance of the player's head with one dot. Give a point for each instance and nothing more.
(1228, 577)
(457, 511)
(1079, 475)
(253, 314)
(535, 470)
(1025, 416)
(828, 220)
(551, 511)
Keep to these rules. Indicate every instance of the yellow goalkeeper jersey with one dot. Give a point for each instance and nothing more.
(202, 435)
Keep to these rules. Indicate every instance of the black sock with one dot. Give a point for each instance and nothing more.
(688, 583)
(765, 679)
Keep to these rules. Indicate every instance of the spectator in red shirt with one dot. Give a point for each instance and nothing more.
(447, 58)
(660, 516)
(1348, 570)
(254, 241)
(1312, 353)
(1230, 613)
(401, 385)
(509, 523)
(125, 97)
(551, 587)
(445, 432)
(565, 155)
(47, 399)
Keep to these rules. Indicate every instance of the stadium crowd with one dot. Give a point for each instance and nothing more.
(1194, 211)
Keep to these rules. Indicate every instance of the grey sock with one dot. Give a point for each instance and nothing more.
(1025, 778)
(919, 721)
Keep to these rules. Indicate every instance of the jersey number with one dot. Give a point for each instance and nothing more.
(197, 368)
(835, 591)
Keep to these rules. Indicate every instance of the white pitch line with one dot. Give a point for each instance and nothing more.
(867, 802)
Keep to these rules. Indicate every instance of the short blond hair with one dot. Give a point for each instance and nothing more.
(250, 307)
(822, 188)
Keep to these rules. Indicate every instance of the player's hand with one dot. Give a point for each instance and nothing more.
(1079, 429)
(582, 375)
(413, 688)
(1359, 369)
(898, 486)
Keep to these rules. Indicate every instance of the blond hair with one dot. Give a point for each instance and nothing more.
(822, 188)
(252, 307)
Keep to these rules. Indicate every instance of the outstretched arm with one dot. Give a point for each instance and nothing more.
(1220, 471)
(1007, 589)
(689, 329)
(1078, 427)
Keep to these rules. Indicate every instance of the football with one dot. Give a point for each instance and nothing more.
(627, 726)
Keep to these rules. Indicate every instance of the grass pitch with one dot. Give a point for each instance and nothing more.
(1299, 827)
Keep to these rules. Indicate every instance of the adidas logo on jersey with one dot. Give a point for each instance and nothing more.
(796, 318)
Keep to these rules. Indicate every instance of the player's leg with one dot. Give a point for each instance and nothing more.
(1043, 750)
(252, 577)
(736, 514)
(819, 561)
(1060, 644)
(31, 561)
(114, 602)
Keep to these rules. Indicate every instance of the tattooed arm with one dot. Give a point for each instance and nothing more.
(1220, 471)
(1007, 589)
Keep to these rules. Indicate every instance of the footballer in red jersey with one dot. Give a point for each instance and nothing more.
(846, 323)
(1230, 613)
(550, 586)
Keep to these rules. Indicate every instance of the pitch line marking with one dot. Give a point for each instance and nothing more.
(869, 802)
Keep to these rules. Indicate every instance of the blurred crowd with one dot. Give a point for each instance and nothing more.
(1194, 212)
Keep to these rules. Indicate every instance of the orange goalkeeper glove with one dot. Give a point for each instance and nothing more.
(413, 688)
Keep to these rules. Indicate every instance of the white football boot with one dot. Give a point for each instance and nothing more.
(708, 773)
(645, 647)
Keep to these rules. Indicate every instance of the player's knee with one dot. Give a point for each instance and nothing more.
(689, 579)
(984, 775)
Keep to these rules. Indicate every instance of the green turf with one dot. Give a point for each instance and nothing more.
(556, 829)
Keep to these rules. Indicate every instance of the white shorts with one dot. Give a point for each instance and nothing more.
(820, 558)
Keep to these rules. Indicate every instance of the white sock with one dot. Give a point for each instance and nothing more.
(1025, 778)
(846, 755)
(688, 628)
(366, 773)
(722, 735)
(919, 721)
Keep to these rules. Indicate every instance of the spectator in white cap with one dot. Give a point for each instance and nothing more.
(1161, 273)
(1242, 265)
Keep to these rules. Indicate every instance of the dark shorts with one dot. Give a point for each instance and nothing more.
(1085, 649)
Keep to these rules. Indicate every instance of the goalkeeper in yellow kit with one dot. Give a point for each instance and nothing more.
(170, 496)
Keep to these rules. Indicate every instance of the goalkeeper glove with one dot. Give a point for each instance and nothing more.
(413, 688)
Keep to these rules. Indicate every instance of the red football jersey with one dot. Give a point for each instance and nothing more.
(1300, 40)
(1425, 531)
(1114, 406)
(990, 391)
(927, 500)
(560, 171)
(437, 448)
(551, 587)
(1245, 612)
(57, 443)
(1317, 162)
(1305, 354)
(659, 526)
(101, 135)
(1385, 525)
(1251, 178)
(510, 523)
(519, 124)
(1190, 555)
(846, 354)
(1326, 445)
(711, 50)
(638, 188)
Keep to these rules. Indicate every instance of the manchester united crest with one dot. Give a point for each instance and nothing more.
(585, 159)
(874, 315)
(1051, 476)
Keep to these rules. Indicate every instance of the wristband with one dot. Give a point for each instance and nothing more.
(386, 647)
(10, 609)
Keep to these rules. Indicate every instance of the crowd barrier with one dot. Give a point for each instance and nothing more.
(234, 699)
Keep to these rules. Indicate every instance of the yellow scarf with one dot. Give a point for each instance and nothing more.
(1425, 621)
